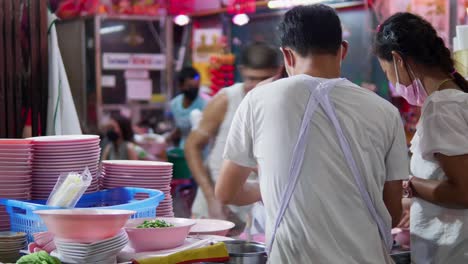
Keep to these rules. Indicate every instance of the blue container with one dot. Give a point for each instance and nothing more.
(143, 201)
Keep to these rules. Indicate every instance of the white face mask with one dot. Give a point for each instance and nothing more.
(414, 93)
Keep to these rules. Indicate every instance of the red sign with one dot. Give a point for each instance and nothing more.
(241, 6)
(177, 7)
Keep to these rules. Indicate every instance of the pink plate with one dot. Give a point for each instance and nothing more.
(147, 173)
(75, 146)
(64, 165)
(58, 168)
(14, 180)
(66, 151)
(155, 179)
(149, 184)
(63, 139)
(26, 163)
(211, 227)
(11, 152)
(16, 159)
(14, 171)
(16, 148)
(8, 141)
(136, 164)
(95, 154)
(140, 174)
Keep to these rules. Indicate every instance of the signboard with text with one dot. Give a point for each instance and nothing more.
(126, 61)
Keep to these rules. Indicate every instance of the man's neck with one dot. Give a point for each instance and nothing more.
(321, 66)
(186, 103)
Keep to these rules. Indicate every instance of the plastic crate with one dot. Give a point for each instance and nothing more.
(23, 218)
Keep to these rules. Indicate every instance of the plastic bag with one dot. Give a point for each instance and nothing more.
(69, 189)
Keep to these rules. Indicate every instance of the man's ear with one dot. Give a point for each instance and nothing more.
(289, 58)
(344, 49)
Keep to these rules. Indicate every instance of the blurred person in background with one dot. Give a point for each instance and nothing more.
(120, 137)
(416, 60)
(258, 62)
(183, 104)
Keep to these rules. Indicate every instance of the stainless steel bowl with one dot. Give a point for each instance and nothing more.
(244, 252)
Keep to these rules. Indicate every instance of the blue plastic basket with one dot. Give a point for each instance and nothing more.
(23, 218)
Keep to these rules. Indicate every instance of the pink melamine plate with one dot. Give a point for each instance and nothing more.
(16, 148)
(63, 164)
(149, 184)
(66, 168)
(16, 159)
(23, 170)
(14, 180)
(27, 163)
(136, 164)
(152, 178)
(16, 185)
(65, 156)
(66, 151)
(12, 152)
(63, 139)
(14, 141)
(135, 171)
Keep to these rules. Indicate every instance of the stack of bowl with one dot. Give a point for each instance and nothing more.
(87, 235)
(10, 245)
(104, 251)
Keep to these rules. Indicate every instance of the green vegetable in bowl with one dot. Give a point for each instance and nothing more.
(40, 257)
(155, 224)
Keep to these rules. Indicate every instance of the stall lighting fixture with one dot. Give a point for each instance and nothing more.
(111, 29)
(277, 4)
(181, 20)
(240, 19)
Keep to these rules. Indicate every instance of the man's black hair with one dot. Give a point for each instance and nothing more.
(260, 55)
(312, 29)
(187, 73)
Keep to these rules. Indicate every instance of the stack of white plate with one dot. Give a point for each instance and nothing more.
(144, 174)
(104, 251)
(15, 173)
(54, 155)
(10, 245)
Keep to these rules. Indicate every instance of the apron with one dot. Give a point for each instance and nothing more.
(320, 96)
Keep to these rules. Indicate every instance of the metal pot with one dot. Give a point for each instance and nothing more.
(244, 252)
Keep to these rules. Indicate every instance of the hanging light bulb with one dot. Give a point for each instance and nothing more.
(181, 20)
(240, 19)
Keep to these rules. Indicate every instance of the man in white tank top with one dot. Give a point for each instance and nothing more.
(259, 62)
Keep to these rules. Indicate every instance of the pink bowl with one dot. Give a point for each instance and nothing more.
(84, 225)
(152, 239)
(211, 227)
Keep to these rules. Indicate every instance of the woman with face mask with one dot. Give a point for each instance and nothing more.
(120, 135)
(417, 62)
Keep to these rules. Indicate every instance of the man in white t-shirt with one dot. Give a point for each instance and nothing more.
(259, 61)
(326, 219)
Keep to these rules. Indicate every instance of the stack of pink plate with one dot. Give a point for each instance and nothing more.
(15, 173)
(55, 155)
(144, 174)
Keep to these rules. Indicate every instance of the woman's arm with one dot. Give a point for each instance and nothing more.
(452, 192)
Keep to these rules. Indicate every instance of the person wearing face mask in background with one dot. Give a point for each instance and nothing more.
(417, 61)
(120, 136)
(183, 104)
